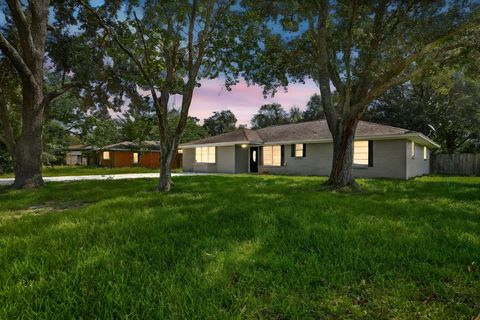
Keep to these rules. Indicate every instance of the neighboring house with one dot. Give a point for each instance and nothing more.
(123, 154)
(307, 149)
(81, 155)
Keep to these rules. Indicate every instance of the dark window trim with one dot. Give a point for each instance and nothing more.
(370, 153)
(293, 150)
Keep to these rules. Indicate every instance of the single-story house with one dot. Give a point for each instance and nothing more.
(81, 155)
(123, 154)
(306, 149)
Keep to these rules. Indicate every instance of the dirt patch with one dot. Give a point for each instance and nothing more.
(46, 208)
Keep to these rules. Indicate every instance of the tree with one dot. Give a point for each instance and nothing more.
(193, 131)
(355, 51)
(167, 50)
(314, 110)
(295, 115)
(23, 45)
(269, 115)
(220, 122)
(450, 115)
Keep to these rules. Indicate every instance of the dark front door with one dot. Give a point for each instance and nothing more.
(254, 159)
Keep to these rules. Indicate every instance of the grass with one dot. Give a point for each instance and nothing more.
(58, 171)
(244, 247)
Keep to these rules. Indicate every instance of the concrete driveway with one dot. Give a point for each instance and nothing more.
(7, 181)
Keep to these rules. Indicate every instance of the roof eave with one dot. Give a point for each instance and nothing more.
(218, 144)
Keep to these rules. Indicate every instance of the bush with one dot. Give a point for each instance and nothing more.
(6, 162)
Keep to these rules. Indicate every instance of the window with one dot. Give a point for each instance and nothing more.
(360, 153)
(413, 150)
(135, 157)
(298, 150)
(272, 155)
(205, 155)
(106, 155)
(425, 153)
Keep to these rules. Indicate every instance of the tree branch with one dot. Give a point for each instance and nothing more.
(23, 28)
(56, 93)
(122, 47)
(394, 77)
(323, 73)
(12, 54)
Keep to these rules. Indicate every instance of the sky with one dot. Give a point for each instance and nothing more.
(244, 101)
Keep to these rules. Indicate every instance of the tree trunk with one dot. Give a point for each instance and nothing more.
(28, 149)
(166, 182)
(341, 174)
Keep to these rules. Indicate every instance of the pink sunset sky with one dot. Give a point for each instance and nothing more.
(244, 101)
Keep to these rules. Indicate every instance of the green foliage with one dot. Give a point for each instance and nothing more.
(445, 108)
(314, 110)
(6, 162)
(193, 131)
(249, 247)
(220, 122)
(295, 114)
(269, 115)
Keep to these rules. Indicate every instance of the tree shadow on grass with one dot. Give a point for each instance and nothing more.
(248, 247)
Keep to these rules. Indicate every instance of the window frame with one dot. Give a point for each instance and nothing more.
(138, 158)
(365, 163)
(106, 153)
(295, 150)
(206, 152)
(271, 163)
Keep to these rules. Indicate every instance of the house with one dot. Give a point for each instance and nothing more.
(307, 149)
(81, 155)
(123, 154)
(130, 154)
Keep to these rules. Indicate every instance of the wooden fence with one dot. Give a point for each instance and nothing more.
(462, 164)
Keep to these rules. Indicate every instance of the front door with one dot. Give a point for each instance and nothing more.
(254, 159)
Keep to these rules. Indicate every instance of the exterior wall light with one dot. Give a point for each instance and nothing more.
(244, 145)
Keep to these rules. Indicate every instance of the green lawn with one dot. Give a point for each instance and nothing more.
(85, 171)
(244, 247)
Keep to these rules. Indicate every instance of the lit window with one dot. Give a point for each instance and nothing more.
(299, 150)
(106, 155)
(135, 157)
(413, 150)
(272, 155)
(425, 153)
(205, 155)
(360, 153)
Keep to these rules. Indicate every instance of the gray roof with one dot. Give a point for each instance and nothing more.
(81, 147)
(129, 146)
(296, 132)
(237, 136)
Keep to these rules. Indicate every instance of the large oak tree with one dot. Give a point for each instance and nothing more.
(355, 51)
(167, 48)
(23, 46)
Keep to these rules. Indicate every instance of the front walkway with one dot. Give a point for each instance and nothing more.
(7, 181)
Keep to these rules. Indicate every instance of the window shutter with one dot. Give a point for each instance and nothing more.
(292, 151)
(260, 156)
(304, 150)
(370, 153)
(282, 155)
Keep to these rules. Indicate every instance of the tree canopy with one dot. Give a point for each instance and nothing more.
(220, 122)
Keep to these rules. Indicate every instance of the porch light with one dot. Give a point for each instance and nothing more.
(244, 145)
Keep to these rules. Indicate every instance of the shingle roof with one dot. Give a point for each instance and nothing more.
(80, 147)
(304, 131)
(128, 145)
(318, 130)
(237, 136)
